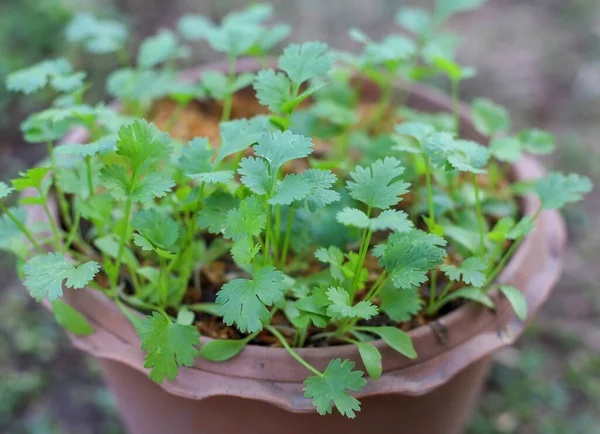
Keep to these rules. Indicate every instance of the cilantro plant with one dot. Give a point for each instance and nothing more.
(324, 222)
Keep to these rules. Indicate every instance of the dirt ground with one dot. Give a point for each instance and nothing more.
(540, 58)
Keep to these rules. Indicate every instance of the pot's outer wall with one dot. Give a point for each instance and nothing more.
(261, 389)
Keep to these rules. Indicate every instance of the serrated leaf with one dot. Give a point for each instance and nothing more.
(397, 221)
(5, 190)
(215, 84)
(98, 36)
(233, 37)
(249, 219)
(255, 175)
(409, 257)
(33, 178)
(272, 89)
(292, 188)
(334, 257)
(222, 349)
(158, 49)
(353, 217)
(244, 250)
(556, 190)
(196, 163)
(507, 149)
(243, 302)
(114, 177)
(153, 185)
(168, 346)
(68, 83)
(416, 130)
(140, 85)
(213, 215)
(341, 307)
(100, 146)
(371, 358)
(240, 134)
(143, 144)
(195, 27)
(379, 185)
(280, 147)
(45, 274)
(331, 388)
(161, 231)
(37, 129)
(537, 142)
(306, 61)
(395, 338)
(400, 304)
(489, 118)
(38, 76)
(471, 271)
(70, 319)
(516, 299)
(521, 229)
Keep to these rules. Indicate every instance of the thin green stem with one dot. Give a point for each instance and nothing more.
(377, 286)
(268, 236)
(226, 114)
(456, 105)
(23, 229)
(435, 305)
(123, 238)
(277, 228)
(429, 189)
(293, 353)
(72, 232)
(162, 283)
(384, 102)
(286, 240)
(175, 116)
(53, 225)
(90, 179)
(480, 221)
(362, 254)
(62, 201)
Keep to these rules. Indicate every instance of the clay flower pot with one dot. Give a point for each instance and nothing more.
(260, 390)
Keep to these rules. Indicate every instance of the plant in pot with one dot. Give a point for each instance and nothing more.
(279, 242)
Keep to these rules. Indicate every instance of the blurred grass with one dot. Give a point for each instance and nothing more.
(541, 58)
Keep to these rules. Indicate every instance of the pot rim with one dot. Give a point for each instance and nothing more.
(446, 346)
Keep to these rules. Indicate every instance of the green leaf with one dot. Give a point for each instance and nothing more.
(397, 221)
(280, 147)
(160, 230)
(255, 175)
(169, 345)
(453, 70)
(334, 257)
(379, 185)
(330, 388)
(37, 129)
(500, 231)
(400, 304)
(341, 307)
(5, 190)
(159, 49)
(243, 301)
(38, 76)
(213, 215)
(556, 190)
(196, 163)
(100, 146)
(249, 219)
(371, 358)
(417, 20)
(98, 36)
(474, 294)
(195, 27)
(293, 188)
(244, 250)
(507, 149)
(222, 349)
(537, 142)
(409, 257)
(240, 134)
(516, 299)
(468, 156)
(140, 85)
(143, 145)
(395, 338)
(416, 130)
(353, 217)
(489, 118)
(70, 319)
(444, 9)
(33, 178)
(234, 38)
(272, 89)
(306, 61)
(45, 274)
(11, 237)
(215, 84)
(471, 271)
(521, 229)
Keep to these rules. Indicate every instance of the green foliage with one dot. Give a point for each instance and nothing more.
(301, 221)
(45, 275)
(332, 386)
(168, 346)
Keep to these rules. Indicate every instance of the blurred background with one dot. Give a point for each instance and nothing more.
(540, 58)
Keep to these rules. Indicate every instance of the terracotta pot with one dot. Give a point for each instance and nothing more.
(260, 391)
